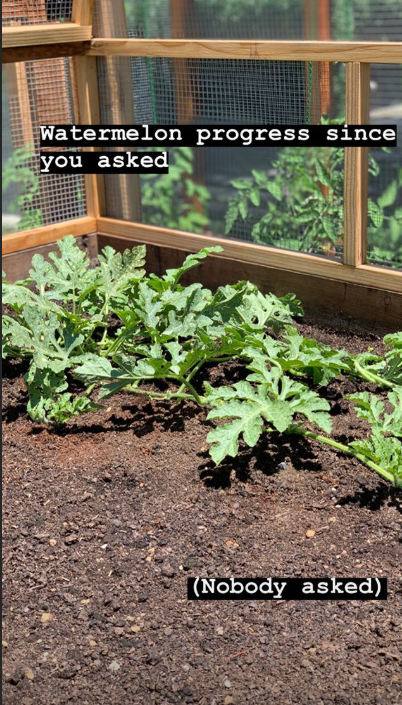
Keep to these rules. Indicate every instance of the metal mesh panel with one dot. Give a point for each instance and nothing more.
(371, 20)
(35, 93)
(251, 92)
(26, 12)
(385, 185)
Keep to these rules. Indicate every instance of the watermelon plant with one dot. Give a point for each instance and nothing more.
(114, 328)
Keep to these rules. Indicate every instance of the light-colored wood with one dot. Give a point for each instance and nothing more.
(50, 233)
(45, 51)
(123, 192)
(257, 254)
(87, 112)
(18, 96)
(356, 166)
(83, 12)
(374, 52)
(31, 35)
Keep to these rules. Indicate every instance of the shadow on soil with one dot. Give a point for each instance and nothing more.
(268, 457)
(374, 499)
(141, 420)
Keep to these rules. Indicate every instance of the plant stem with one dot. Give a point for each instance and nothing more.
(159, 396)
(371, 376)
(348, 450)
(192, 391)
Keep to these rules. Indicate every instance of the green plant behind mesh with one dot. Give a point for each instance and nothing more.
(300, 205)
(17, 172)
(169, 200)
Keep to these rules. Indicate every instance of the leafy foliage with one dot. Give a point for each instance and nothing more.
(385, 371)
(383, 446)
(300, 205)
(17, 173)
(274, 399)
(113, 327)
(176, 200)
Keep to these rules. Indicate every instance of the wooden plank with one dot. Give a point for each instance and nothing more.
(18, 264)
(87, 112)
(344, 301)
(375, 52)
(52, 33)
(123, 192)
(82, 13)
(49, 233)
(356, 166)
(255, 254)
(47, 51)
(18, 96)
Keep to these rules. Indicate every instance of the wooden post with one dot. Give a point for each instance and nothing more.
(356, 166)
(87, 112)
(82, 13)
(123, 192)
(324, 34)
(316, 25)
(187, 83)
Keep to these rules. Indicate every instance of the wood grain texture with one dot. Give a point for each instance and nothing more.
(45, 51)
(32, 35)
(123, 191)
(356, 166)
(82, 13)
(374, 52)
(255, 254)
(342, 299)
(87, 112)
(49, 233)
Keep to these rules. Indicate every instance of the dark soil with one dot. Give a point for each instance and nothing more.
(104, 522)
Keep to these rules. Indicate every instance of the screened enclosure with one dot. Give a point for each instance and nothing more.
(212, 62)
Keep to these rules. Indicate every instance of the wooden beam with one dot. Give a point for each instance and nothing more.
(375, 52)
(50, 233)
(47, 51)
(82, 13)
(356, 166)
(123, 192)
(255, 254)
(87, 112)
(342, 300)
(18, 96)
(52, 33)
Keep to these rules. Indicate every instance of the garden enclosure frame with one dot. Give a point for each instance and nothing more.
(351, 286)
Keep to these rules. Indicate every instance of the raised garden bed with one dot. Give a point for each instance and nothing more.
(106, 517)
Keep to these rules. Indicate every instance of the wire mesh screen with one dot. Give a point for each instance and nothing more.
(36, 93)
(371, 20)
(26, 12)
(385, 181)
(290, 198)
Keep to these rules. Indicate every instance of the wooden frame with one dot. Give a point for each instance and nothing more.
(74, 39)
(88, 113)
(371, 52)
(47, 234)
(32, 35)
(356, 166)
(366, 275)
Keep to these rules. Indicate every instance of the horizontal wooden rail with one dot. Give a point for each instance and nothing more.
(33, 35)
(296, 262)
(13, 55)
(49, 233)
(373, 52)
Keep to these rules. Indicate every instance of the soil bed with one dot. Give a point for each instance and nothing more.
(105, 520)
